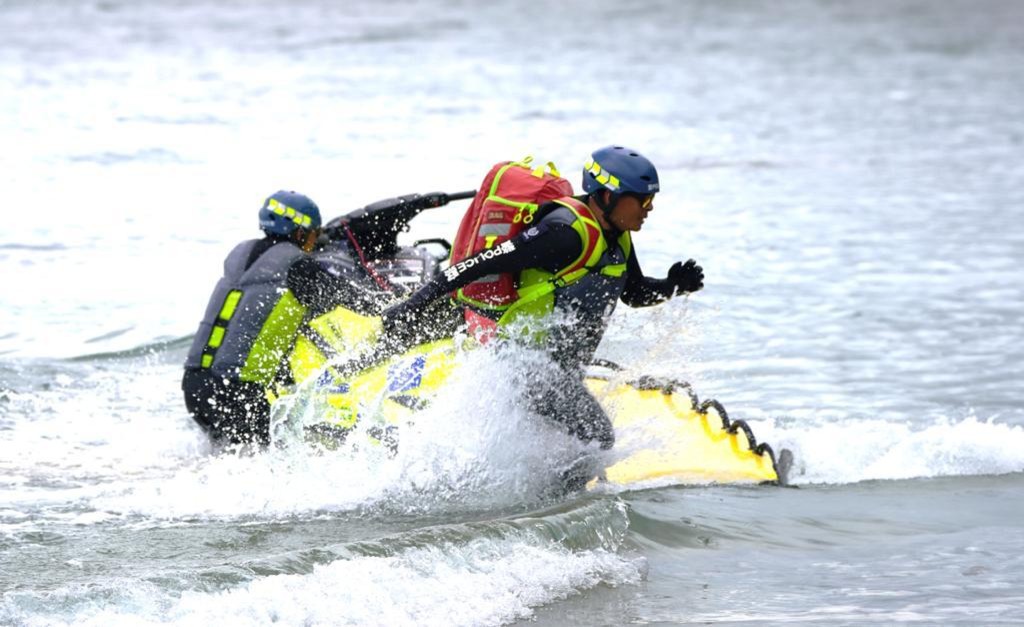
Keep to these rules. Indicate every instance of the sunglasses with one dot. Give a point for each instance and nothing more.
(645, 201)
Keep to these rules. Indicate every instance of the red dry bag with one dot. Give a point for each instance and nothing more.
(501, 209)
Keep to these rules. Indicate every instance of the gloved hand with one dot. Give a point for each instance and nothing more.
(395, 322)
(435, 199)
(686, 277)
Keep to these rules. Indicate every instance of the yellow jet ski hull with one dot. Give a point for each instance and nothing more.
(685, 441)
(695, 443)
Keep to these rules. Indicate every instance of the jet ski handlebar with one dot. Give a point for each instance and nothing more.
(377, 225)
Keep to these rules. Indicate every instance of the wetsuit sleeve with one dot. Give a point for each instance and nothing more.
(642, 291)
(318, 289)
(548, 246)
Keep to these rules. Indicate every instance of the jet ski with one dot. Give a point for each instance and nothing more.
(337, 393)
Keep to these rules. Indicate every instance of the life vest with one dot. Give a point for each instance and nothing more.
(584, 302)
(538, 287)
(503, 207)
(252, 318)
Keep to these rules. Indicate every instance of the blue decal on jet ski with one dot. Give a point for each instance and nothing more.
(407, 375)
(326, 382)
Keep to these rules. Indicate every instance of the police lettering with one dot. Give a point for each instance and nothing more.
(504, 248)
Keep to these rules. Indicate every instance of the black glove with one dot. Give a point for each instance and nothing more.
(435, 199)
(396, 322)
(686, 277)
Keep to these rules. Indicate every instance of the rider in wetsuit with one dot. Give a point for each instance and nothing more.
(576, 260)
(272, 290)
(270, 287)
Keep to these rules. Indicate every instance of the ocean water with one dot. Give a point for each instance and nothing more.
(850, 175)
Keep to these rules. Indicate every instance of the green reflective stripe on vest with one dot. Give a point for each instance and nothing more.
(572, 277)
(274, 339)
(614, 270)
(216, 336)
(541, 284)
(595, 249)
(230, 304)
(217, 332)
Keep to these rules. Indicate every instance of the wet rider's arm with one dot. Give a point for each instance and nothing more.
(543, 246)
(319, 289)
(642, 291)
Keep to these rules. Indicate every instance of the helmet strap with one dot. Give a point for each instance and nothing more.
(608, 206)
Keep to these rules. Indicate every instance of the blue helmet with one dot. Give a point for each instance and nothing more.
(619, 170)
(284, 212)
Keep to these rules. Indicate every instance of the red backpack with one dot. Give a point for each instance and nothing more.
(502, 208)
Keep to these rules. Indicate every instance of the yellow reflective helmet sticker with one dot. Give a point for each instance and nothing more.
(296, 216)
(603, 177)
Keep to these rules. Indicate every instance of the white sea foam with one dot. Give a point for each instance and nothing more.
(482, 582)
(103, 425)
(859, 450)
